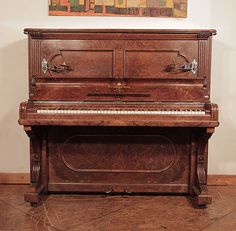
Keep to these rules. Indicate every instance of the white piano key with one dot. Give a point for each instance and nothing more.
(121, 112)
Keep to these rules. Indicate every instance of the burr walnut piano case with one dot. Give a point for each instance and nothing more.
(119, 111)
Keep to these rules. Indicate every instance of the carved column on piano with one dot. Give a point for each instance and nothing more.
(200, 191)
(36, 183)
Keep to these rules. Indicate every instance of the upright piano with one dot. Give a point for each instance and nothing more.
(119, 111)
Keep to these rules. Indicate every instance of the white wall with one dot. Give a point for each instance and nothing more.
(223, 144)
(16, 15)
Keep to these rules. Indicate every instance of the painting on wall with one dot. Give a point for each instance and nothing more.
(148, 8)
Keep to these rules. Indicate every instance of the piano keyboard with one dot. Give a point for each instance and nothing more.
(121, 112)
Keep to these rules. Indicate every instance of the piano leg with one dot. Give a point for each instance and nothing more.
(200, 191)
(36, 152)
(34, 196)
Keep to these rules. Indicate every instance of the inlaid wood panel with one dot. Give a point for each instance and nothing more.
(154, 63)
(85, 59)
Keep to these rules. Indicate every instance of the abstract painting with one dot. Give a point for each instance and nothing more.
(146, 8)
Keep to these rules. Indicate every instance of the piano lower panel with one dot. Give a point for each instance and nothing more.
(119, 159)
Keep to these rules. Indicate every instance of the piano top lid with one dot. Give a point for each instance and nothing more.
(36, 32)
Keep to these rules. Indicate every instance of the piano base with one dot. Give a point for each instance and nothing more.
(197, 200)
(117, 160)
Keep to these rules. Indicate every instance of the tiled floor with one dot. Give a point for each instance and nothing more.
(113, 213)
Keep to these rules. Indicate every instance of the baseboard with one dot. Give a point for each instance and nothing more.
(14, 178)
(24, 178)
(222, 180)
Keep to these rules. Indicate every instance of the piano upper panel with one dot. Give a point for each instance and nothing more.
(111, 65)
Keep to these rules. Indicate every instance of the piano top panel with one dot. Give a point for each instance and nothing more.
(118, 33)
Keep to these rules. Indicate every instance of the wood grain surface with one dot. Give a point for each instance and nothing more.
(116, 213)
